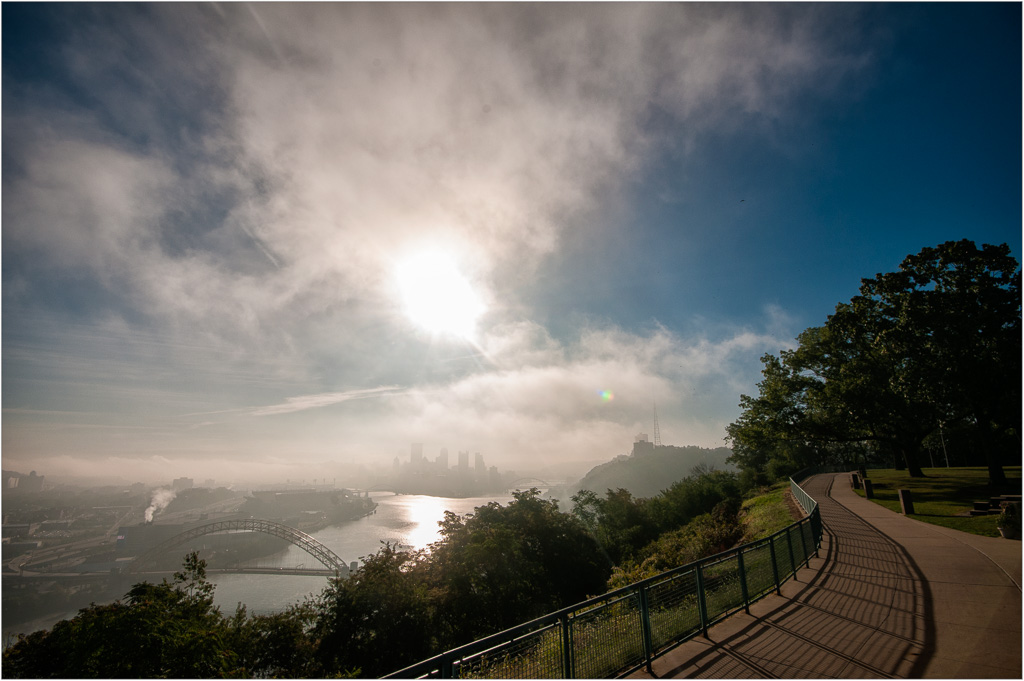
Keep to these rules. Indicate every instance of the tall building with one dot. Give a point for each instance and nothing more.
(442, 460)
(478, 464)
(464, 463)
(181, 484)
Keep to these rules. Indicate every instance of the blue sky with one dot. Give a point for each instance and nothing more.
(206, 210)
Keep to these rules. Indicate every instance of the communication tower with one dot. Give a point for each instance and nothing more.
(657, 431)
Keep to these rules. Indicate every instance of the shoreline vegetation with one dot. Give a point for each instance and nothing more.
(482, 577)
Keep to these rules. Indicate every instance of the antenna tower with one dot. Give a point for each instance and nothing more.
(657, 431)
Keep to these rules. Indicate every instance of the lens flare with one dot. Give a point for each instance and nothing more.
(607, 395)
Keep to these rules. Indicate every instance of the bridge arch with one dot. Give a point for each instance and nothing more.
(517, 483)
(324, 555)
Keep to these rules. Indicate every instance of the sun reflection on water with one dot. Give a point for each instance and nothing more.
(423, 514)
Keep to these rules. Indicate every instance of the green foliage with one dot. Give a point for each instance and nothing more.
(693, 495)
(1009, 520)
(705, 535)
(620, 523)
(937, 342)
(507, 564)
(379, 618)
(623, 524)
(279, 645)
(492, 569)
(163, 630)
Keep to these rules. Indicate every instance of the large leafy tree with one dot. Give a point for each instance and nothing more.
(378, 619)
(504, 565)
(620, 523)
(936, 342)
(167, 630)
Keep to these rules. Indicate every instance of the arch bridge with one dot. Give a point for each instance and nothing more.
(518, 483)
(328, 558)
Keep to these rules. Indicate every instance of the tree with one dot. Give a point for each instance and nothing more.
(936, 342)
(620, 523)
(378, 619)
(278, 645)
(955, 312)
(504, 565)
(704, 489)
(162, 630)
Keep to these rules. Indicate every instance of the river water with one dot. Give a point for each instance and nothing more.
(407, 519)
(410, 520)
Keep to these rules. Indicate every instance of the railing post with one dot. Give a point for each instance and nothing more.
(702, 604)
(792, 556)
(816, 529)
(566, 647)
(803, 543)
(743, 582)
(446, 668)
(775, 565)
(645, 628)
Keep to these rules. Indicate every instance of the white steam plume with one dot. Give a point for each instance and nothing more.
(161, 498)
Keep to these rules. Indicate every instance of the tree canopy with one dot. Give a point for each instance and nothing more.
(936, 344)
(492, 569)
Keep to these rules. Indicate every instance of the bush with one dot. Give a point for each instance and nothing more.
(1009, 520)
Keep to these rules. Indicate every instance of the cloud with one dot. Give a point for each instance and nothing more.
(303, 402)
(335, 136)
(229, 202)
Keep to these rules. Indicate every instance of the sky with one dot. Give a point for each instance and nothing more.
(256, 242)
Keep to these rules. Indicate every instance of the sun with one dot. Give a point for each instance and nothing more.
(437, 296)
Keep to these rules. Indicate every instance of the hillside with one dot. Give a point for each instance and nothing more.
(651, 469)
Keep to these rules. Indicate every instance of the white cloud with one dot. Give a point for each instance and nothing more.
(251, 173)
(303, 402)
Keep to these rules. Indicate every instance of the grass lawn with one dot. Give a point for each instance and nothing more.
(943, 495)
(766, 513)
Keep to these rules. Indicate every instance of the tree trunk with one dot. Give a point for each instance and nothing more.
(996, 475)
(910, 458)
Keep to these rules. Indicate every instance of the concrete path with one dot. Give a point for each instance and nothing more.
(888, 597)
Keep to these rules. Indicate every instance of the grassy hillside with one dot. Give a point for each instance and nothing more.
(766, 513)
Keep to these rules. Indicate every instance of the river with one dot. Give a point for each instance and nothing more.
(406, 519)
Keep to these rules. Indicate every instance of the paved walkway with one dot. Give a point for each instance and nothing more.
(888, 597)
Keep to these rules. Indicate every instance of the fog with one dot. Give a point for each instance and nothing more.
(210, 212)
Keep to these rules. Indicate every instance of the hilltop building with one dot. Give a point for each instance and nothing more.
(642, 445)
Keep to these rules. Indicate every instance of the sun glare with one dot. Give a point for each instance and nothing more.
(437, 296)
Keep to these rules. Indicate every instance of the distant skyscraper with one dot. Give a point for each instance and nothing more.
(442, 460)
(180, 484)
(478, 464)
(464, 462)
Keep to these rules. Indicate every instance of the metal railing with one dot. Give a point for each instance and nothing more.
(624, 630)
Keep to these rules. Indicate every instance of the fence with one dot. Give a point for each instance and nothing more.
(624, 630)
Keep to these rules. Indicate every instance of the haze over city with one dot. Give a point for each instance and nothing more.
(262, 241)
